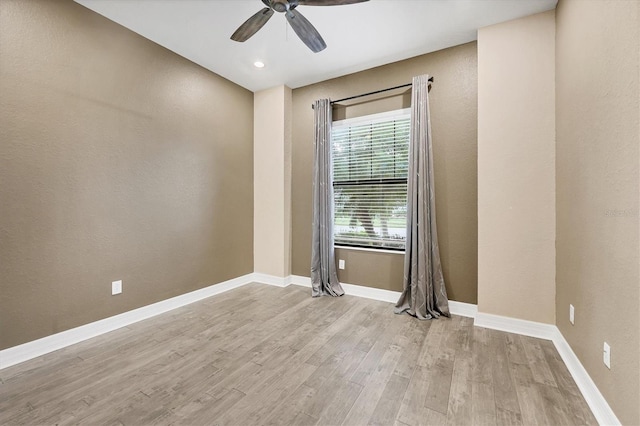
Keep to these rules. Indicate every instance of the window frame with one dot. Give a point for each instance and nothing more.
(370, 119)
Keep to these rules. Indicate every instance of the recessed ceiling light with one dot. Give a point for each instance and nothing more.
(258, 64)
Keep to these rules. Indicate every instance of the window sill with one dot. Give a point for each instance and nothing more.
(374, 250)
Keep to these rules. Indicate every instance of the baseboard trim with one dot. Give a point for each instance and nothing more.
(597, 403)
(595, 400)
(270, 279)
(355, 290)
(514, 325)
(17, 354)
(463, 309)
(456, 308)
(300, 280)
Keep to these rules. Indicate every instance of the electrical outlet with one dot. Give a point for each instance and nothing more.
(116, 287)
(341, 263)
(572, 314)
(606, 355)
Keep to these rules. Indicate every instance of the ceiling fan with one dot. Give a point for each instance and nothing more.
(303, 28)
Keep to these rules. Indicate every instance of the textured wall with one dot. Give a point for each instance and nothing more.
(598, 187)
(118, 160)
(272, 181)
(516, 168)
(453, 101)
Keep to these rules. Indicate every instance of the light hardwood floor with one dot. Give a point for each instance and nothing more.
(268, 355)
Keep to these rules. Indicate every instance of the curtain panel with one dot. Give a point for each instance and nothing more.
(324, 277)
(424, 295)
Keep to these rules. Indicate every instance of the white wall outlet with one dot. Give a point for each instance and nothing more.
(606, 355)
(341, 263)
(116, 287)
(572, 314)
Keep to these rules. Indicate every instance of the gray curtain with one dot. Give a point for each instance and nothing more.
(424, 295)
(324, 278)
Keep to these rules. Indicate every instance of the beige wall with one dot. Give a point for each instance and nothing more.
(516, 169)
(272, 181)
(454, 116)
(598, 190)
(118, 160)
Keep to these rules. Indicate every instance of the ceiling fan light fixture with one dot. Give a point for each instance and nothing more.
(258, 64)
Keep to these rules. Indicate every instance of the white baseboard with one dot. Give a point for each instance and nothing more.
(355, 290)
(36, 348)
(270, 279)
(371, 293)
(456, 308)
(300, 280)
(514, 325)
(597, 403)
(463, 309)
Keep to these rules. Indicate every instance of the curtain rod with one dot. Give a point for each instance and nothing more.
(374, 93)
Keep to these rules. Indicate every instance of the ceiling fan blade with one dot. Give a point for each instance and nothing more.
(327, 2)
(307, 32)
(252, 25)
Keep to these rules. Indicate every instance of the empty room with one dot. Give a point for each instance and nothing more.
(320, 212)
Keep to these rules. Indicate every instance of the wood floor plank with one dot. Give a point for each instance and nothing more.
(459, 409)
(504, 387)
(537, 361)
(555, 406)
(412, 407)
(338, 404)
(339, 341)
(301, 419)
(439, 377)
(261, 355)
(377, 319)
(434, 339)
(483, 407)
(374, 384)
(432, 418)
(411, 343)
(205, 407)
(530, 400)
(389, 403)
(515, 350)
(507, 418)
(335, 390)
(255, 407)
(560, 372)
(484, 349)
(379, 349)
(286, 412)
(567, 386)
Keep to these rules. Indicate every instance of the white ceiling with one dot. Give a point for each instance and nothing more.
(358, 36)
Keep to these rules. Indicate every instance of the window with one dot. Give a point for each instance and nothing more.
(370, 161)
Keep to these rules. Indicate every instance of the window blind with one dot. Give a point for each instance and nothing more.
(370, 163)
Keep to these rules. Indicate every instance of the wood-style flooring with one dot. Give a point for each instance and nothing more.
(262, 355)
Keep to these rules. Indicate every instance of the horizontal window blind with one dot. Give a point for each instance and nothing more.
(370, 163)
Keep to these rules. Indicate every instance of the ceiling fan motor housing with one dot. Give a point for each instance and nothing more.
(280, 5)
